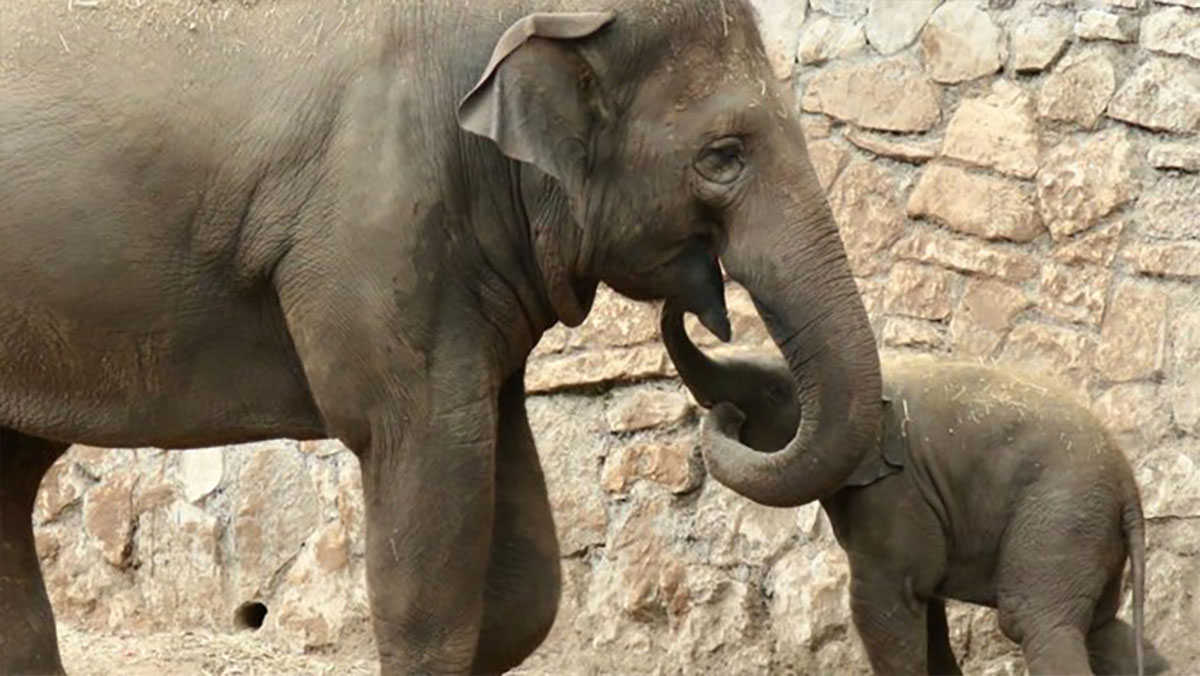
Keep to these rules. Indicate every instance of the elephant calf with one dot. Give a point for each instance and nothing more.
(984, 486)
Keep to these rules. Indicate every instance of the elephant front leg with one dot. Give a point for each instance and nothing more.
(28, 641)
(428, 488)
(524, 573)
(891, 622)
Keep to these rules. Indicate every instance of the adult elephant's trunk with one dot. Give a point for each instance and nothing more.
(801, 284)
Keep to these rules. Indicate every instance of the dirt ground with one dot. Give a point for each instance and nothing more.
(199, 654)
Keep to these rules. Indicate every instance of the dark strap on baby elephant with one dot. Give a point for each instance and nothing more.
(889, 452)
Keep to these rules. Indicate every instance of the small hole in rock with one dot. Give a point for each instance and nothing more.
(250, 616)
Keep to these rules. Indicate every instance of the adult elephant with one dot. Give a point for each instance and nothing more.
(227, 222)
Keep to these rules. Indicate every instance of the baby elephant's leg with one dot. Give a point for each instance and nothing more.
(941, 656)
(890, 620)
(1050, 576)
(1110, 644)
(1111, 650)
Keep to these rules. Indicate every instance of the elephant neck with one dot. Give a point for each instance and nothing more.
(556, 240)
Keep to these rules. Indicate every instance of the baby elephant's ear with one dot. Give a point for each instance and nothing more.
(535, 99)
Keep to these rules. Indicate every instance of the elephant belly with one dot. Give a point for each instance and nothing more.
(222, 374)
(971, 580)
(974, 537)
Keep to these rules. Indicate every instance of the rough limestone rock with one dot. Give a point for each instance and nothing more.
(985, 313)
(843, 8)
(1172, 31)
(271, 522)
(996, 131)
(1036, 43)
(892, 26)
(201, 471)
(828, 158)
(1134, 414)
(1181, 155)
(572, 443)
(992, 305)
(967, 256)
(1170, 208)
(1058, 352)
(906, 332)
(182, 543)
(1099, 25)
(866, 198)
(961, 42)
(557, 372)
(779, 22)
(1084, 180)
(644, 408)
(919, 291)
(1161, 94)
(885, 145)
(1183, 397)
(826, 38)
(615, 322)
(953, 196)
(673, 464)
(1164, 259)
(63, 489)
(1169, 474)
(1074, 293)
(810, 588)
(1098, 245)
(1078, 89)
(1133, 337)
(108, 517)
(891, 95)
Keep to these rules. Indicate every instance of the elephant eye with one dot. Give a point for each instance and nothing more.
(722, 161)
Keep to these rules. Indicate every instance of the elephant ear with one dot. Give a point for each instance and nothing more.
(537, 98)
(890, 452)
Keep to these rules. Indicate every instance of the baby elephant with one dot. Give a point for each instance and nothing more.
(985, 487)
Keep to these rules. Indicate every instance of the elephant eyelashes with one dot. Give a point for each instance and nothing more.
(722, 161)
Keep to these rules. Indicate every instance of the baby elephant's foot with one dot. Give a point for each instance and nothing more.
(1111, 651)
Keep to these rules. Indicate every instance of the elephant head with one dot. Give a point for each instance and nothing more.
(656, 145)
(759, 387)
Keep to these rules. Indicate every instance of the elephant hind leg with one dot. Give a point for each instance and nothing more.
(524, 573)
(941, 656)
(1051, 630)
(1111, 651)
(1051, 577)
(1110, 643)
(28, 640)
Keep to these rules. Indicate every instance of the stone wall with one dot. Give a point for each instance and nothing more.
(1016, 181)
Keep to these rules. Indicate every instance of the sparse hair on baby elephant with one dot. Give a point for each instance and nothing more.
(983, 486)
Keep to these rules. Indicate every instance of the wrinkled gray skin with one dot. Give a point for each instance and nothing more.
(982, 486)
(222, 222)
